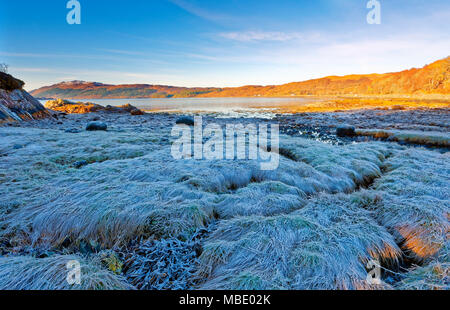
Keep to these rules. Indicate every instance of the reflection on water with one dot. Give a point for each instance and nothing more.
(226, 107)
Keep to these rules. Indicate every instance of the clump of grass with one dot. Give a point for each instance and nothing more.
(29, 273)
(414, 201)
(440, 139)
(266, 198)
(433, 276)
(324, 245)
(348, 166)
(108, 220)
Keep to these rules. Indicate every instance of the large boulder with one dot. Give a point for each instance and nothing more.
(96, 126)
(185, 120)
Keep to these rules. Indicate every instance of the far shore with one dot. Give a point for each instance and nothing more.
(313, 104)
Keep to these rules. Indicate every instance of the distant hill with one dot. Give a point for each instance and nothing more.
(431, 79)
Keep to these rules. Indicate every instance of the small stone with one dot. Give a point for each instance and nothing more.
(95, 126)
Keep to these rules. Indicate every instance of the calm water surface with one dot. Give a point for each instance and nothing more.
(254, 106)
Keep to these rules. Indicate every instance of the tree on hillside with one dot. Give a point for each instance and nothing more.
(3, 68)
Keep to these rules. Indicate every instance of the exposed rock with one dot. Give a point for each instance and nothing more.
(346, 131)
(186, 120)
(88, 107)
(72, 107)
(18, 105)
(96, 126)
(125, 108)
(136, 112)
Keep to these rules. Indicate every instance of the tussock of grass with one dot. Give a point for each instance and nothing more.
(347, 166)
(441, 139)
(29, 273)
(433, 276)
(324, 245)
(267, 198)
(109, 218)
(413, 200)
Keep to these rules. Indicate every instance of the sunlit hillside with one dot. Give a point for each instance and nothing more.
(433, 79)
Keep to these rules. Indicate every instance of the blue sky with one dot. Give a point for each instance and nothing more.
(217, 43)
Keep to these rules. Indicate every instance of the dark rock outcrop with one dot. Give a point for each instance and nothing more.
(18, 105)
(15, 103)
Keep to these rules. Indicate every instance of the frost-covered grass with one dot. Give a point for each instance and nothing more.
(347, 167)
(311, 224)
(441, 139)
(134, 187)
(325, 245)
(29, 273)
(412, 200)
(432, 276)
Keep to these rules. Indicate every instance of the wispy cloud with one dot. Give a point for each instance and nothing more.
(45, 55)
(121, 52)
(200, 12)
(30, 55)
(32, 70)
(253, 36)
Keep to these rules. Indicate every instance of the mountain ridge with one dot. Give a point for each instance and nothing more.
(433, 78)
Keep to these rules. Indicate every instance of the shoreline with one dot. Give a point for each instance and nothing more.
(314, 105)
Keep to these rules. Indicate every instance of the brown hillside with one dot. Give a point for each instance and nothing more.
(431, 79)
